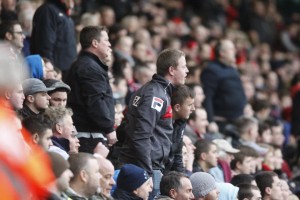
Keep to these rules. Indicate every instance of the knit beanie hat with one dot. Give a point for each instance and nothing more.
(227, 191)
(202, 184)
(58, 164)
(131, 177)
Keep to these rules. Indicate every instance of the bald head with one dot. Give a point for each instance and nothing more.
(107, 171)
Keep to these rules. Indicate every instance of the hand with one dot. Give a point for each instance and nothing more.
(111, 138)
(101, 150)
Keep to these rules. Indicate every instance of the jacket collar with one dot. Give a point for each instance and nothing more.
(168, 86)
(95, 58)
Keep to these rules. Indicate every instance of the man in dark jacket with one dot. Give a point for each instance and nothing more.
(224, 94)
(150, 126)
(182, 106)
(91, 97)
(53, 33)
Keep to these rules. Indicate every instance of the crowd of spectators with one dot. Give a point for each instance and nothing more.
(136, 99)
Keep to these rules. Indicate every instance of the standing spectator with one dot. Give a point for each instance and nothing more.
(14, 94)
(36, 97)
(182, 106)
(225, 98)
(53, 33)
(150, 128)
(248, 192)
(91, 97)
(176, 186)
(12, 32)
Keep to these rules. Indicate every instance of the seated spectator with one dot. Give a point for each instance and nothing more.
(262, 109)
(36, 97)
(64, 133)
(14, 94)
(49, 72)
(222, 173)
(243, 179)
(62, 173)
(59, 95)
(197, 124)
(227, 191)
(175, 185)
(36, 66)
(243, 162)
(265, 135)
(269, 185)
(189, 160)
(248, 130)
(106, 180)
(11, 31)
(285, 188)
(204, 186)
(248, 192)
(206, 156)
(40, 128)
(277, 132)
(86, 180)
(133, 183)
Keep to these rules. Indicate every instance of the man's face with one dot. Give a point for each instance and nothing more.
(74, 142)
(59, 98)
(104, 48)
(17, 37)
(186, 108)
(107, 180)
(144, 190)
(180, 72)
(17, 97)
(41, 100)
(201, 122)
(190, 147)
(45, 141)
(228, 51)
(49, 72)
(256, 195)
(212, 156)
(185, 191)
(199, 96)
(246, 166)
(277, 135)
(93, 183)
(67, 127)
(64, 180)
(212, 195)
(276, 193)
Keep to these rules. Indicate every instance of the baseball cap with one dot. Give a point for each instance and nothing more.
(56, 84)
(225, 146)
(33, 85)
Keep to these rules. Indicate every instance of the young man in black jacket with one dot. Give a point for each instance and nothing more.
(91, 96)
(150, 124)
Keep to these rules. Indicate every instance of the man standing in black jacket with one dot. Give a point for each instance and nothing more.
(150, 126)
(91, 95)
(53, 33)
(225, 98)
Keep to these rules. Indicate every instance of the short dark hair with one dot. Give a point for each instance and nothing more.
(171, 180)
(166, 59)
(90, 33)
(263, 180)
(7, 26)
(241, 179)
(202, 146)
(78, 162)
(260, 104)
(244, 123)
(245, 191)
(37, 124)
(181, 94)
(239, 157)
